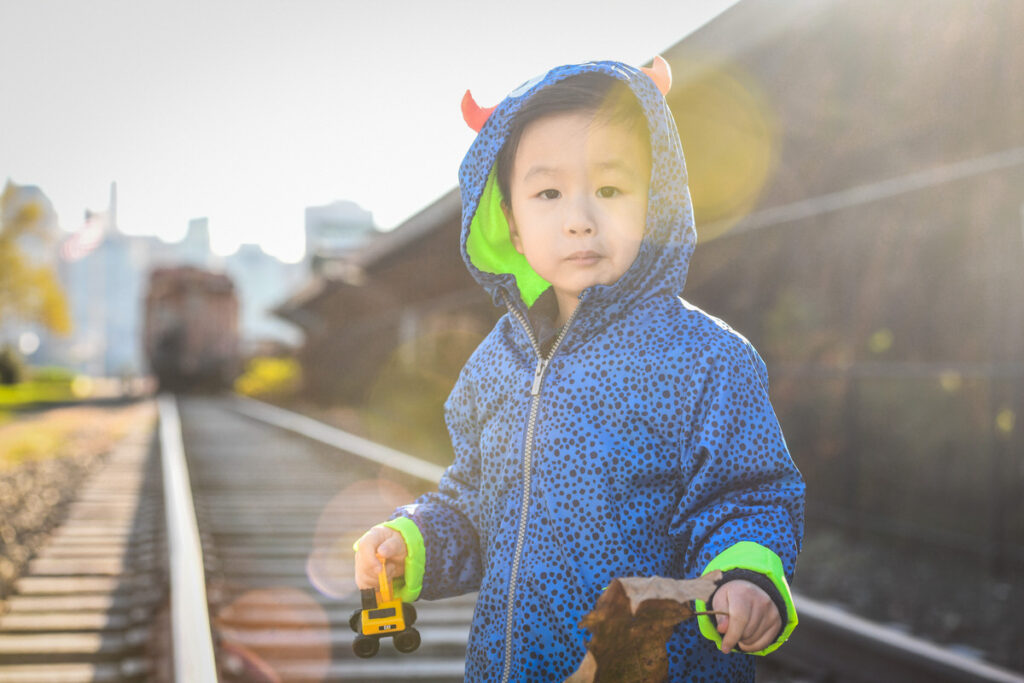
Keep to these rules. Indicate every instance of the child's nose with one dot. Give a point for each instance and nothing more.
(580, 218)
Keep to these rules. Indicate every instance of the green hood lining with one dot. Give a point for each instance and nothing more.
(490, 247)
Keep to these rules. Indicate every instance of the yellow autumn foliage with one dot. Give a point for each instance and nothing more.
(28, 292)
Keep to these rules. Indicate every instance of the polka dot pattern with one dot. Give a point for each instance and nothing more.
(654, 447)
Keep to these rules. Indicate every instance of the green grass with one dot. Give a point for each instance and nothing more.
(34, 391)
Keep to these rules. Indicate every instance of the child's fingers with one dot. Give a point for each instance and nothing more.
(367, 569)
(364, 580)
(371, 540)
(734, 631)
(755, 637)
(366, 577)
(393, 548)
(759, 644)
(394, 551)
(768, 629)
(720, 603)
(367, 564)
(376, 543)
(753, 621)
(731, 626)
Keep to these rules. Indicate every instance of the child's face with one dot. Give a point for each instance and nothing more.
(578, 202)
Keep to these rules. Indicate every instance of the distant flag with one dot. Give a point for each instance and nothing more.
(87, 238)
(92, 233)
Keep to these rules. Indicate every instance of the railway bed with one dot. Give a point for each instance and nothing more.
(271, 502)
(90, 602)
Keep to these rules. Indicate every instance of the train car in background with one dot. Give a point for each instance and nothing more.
(190, 335)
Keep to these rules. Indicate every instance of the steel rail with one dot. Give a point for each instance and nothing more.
(340, 439)
(194, 661)
(849, 648)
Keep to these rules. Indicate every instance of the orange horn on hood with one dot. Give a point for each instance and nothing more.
(661, 73)
(474, 115)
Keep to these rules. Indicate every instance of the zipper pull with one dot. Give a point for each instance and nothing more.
(538, 375)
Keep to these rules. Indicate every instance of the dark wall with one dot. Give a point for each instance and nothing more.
(891, 318)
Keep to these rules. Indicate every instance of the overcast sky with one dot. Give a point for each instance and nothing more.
(247, 111)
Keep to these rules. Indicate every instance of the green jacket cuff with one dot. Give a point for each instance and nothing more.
(758, 558)
(408, 586)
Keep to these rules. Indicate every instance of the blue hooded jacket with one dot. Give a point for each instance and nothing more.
(642, 443)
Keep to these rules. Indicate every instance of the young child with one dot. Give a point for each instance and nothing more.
(605, 427)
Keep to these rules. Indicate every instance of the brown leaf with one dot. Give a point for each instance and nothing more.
(631, 623)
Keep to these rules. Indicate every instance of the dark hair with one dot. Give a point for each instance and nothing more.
(607, 97)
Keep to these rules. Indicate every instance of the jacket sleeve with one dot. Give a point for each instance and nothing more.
(743, 505)
(439, 527)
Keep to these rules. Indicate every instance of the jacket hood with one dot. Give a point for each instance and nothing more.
(663, 260)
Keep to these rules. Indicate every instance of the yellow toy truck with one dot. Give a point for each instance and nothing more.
(383, 615)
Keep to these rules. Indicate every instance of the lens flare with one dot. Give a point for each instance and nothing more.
(330, 565)
(1005, 420)
(262, 630)
(730, 138)
(881, 341)
(951, 381)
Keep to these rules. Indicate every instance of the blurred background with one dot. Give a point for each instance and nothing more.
(260, 198)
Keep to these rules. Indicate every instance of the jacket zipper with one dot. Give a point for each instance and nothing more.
(538, 378)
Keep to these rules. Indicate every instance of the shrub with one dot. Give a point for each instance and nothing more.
(52, 374)
(268, 377)
(12, 368)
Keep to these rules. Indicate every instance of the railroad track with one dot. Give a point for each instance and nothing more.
(278, 514)
(90, 604)
(834, 646)
(261, 516)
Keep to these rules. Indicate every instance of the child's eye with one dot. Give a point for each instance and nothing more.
(607, 192)
(549, 194)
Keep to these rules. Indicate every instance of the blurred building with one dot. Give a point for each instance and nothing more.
(403, 298)
(194, 250)
(103, 272)
(335, 229)
(103, 287)
(262, 281)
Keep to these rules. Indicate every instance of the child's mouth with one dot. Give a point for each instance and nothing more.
(584, 258)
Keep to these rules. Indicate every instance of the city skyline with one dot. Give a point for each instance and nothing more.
(105, 286)
(104, 272)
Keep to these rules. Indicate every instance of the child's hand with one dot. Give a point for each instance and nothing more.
(753, 620)
(384, 542)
